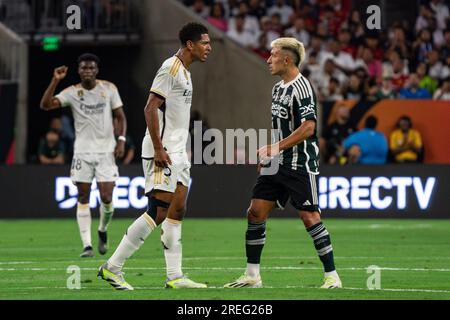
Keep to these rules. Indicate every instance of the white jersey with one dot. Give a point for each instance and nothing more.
(173, 83)
(92, 114)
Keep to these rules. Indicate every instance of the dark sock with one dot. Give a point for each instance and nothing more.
(322, 242)
(255, 238)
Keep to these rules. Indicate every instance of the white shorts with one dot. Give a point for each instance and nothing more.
(166, 179)
(86, 166)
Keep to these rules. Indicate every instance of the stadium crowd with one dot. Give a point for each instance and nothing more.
(346, 61)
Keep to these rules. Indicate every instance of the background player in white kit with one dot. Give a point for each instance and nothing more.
(93, 103)
(165, 162)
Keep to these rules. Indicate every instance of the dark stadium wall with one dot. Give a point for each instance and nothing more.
(8, 101)
(116, 65)
(393, 191)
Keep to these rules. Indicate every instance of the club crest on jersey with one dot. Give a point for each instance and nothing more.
(286, 99)
(279, 111)
(80, 94)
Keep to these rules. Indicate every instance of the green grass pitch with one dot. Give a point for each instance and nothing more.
(414, 257)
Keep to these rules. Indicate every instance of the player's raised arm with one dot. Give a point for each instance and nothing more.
(48, 101)
(154, 102)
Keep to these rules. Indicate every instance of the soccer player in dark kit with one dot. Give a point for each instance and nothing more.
(294, 115)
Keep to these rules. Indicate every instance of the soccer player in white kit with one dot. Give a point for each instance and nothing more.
(94, 103)
(165, 162)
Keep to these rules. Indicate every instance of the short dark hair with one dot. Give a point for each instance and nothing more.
(405, 118)
(191, 32)
(88, 57)
(371, 122)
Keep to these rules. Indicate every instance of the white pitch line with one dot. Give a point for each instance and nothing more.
(237, 268)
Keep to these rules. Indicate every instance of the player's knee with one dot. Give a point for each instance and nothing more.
(83, 197)
(154, 206)
(106, 197)
(178, 212)
(309, 218)
(253, 214)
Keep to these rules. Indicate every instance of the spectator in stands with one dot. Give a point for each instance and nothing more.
(261, 49)
(51, 149)
(342, 59)
(217, 17)
(372, 66)
(437, 69)
(422, 46)
(314, 70)
(65, 131)
(436, 33)
(355, 25)
(398, 41)
(240, 35)
(441, 11)
(443, 93)
(275, 22)
(335, 133)
(354, 89)
(298, 31)
(345, 39)
(370, 89)
(367, 146)
(425, 13)
(256, 9)
(397, 69)
(445, 50)
(316, 48)
(200, 8)
(334, 91)
(425, 81)
(373, 43)
(266, 28)
(386, 91)
(322, 78)
(285, 11)
(251, 23)
(412, 89)
(405, 142)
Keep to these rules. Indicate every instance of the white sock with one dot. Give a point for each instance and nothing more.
(171, 239)
(332, 273)
(252, 270)
(84, 223)
(136, 234)
(106, 213)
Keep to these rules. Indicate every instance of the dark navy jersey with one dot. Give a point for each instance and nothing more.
(292, 104)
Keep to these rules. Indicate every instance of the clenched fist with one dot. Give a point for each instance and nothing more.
(60, 73)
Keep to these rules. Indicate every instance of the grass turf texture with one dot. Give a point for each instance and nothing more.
(414, 256)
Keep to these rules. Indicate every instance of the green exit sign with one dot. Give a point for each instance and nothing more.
(50, 43)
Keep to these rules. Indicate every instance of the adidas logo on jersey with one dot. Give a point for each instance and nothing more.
(307, 203)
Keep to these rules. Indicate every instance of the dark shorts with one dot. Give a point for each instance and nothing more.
(287, 183)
